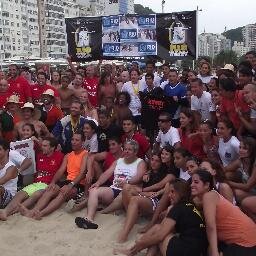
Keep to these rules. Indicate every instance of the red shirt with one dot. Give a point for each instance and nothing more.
(37, 91)
(142, 141)
(110, 159)
(91, 85)
(193, 144)
(53, 115)
(47, 166)
(227, 107)
(20, 87)
(3, 98)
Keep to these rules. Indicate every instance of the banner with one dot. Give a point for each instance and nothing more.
(166, 36)
(26, 149)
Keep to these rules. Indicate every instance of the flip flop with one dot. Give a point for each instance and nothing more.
(85, 224)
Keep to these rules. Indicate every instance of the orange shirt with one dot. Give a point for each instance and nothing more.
(74, 164)
(53, 115)
(233, 226)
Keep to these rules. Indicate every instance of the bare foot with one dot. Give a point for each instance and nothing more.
(122, 251)
(37, 215)
(3, 215)
(80, 205)
(24, 211)
(122, 238)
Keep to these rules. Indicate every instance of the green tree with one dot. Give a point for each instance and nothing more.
(141, 10)
(225, 57)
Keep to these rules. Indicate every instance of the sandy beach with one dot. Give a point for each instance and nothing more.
(57, 235)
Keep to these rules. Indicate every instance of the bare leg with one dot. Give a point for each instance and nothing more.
(105, 194)
(12, 207)
(163, 246)
(33, 198)
(153, 251)
(117, 204)
(137, 204)
(249, 207)
(128, 192)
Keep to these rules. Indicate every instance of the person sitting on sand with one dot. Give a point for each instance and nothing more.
(183, 219)
(47, 164)
(59, 191)
(129, 169)
(144, 200)
(8, 175)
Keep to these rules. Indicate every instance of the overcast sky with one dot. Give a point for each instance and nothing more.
(215, 14)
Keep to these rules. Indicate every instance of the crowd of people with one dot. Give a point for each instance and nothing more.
(177, 147)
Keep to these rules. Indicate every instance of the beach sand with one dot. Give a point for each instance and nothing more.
(57, 235)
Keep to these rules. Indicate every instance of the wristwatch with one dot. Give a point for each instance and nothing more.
(72, 183)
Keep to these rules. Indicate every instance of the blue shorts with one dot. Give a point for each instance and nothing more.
(116, 192)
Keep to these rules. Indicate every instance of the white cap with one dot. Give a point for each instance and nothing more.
(28, 105)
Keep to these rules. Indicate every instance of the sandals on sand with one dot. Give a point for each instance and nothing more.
(85, 223)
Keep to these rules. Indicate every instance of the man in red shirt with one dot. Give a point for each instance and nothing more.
(129, 128)
(233, 99)
(47, 164)
(19, 85)
(40, 87)
(91, 84)
(53, 113)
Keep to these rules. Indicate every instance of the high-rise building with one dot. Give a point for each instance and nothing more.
(19, 29)
(249, 36)
(240, 49)
(113, 7)
(210, 44)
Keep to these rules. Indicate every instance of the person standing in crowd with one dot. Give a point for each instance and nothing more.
(89, 111)
(56, 80)
(152, 103)
(8, 175)
(201, 101)
(129, 129)
(47, 163)
(77, 86)
(68, 125)
(106, 88)
(176, 92)
(249, 93)
(233, 99)
(4, 92)
(124, 77)
(251, 57)
(42, 86)
(91, 82)
(66, 95)
(19, 85)
(244, 77)
(150, 69)
(205, 73)
(166, 71)
(28, 117)
(133, 87)
(9, 117)
(52, 112)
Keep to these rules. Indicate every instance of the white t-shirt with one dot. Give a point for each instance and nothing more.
(16, 158)
(10, 185)
(91, 145)
(133, 90)
(253, 113)
(184, 175)
(124, 171)
(203, 105)
(171, 137)
(157, 80)
(228, 151)
(205, 79)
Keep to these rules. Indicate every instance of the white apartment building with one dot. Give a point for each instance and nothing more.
(113, 7)
(249, 36)
(240, 49)
(210, 44)
(19, 30)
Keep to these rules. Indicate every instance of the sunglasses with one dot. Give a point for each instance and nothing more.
(163, 120)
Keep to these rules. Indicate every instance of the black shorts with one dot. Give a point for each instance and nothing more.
(116, 192)
(238, 250)
(178, 247)
(79, 187)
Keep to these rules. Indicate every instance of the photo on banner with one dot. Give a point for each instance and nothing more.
(84, 38)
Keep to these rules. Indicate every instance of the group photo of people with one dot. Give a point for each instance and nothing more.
(168, 152)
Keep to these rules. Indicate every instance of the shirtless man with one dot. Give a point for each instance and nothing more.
(125, 77)
(66, 95)
(77, 86)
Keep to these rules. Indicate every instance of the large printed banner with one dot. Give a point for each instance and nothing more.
(164, 36)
